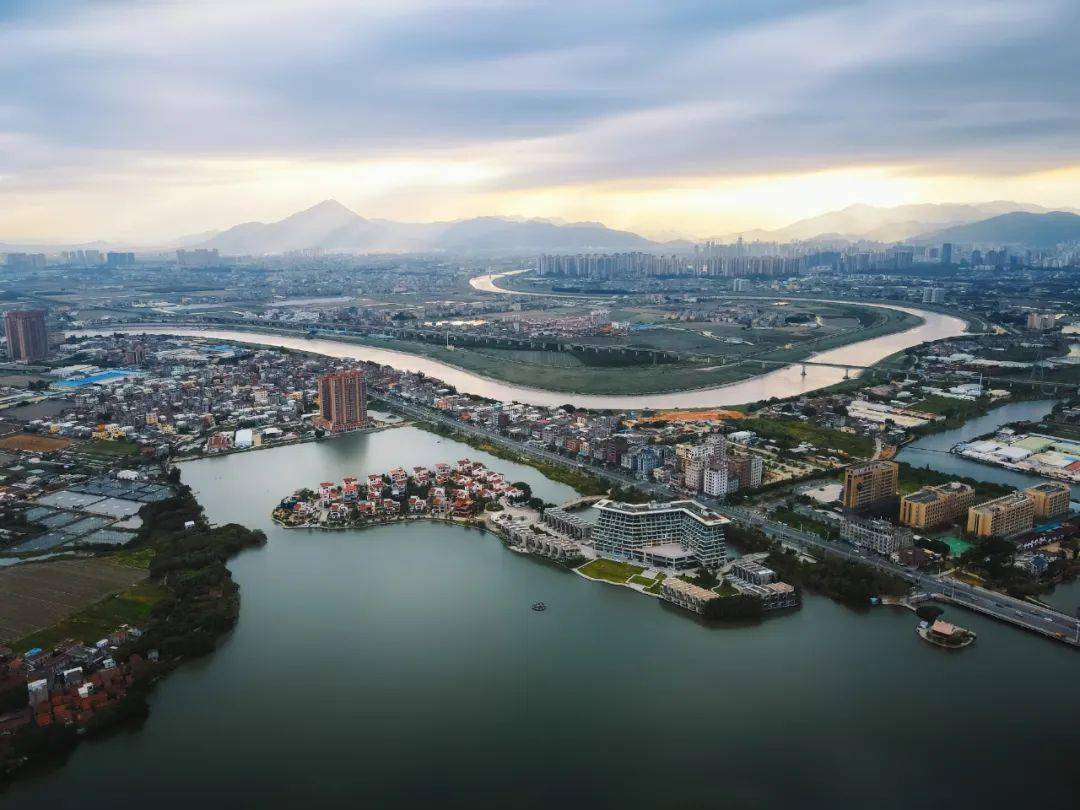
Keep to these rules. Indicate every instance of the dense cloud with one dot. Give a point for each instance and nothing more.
(559, 92)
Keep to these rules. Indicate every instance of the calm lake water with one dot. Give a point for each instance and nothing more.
(401, 666)
(783, 382)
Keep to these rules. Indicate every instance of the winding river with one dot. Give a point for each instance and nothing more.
(783, 382)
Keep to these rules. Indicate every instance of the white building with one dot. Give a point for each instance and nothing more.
(677, 533)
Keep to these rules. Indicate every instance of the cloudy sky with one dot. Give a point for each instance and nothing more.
(145, 120)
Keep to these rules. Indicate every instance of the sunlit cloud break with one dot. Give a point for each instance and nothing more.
(144, 121)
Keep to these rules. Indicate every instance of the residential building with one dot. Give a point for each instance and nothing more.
(1051, 499)
(748, 469)
(1002, 517)
(774, 596)
(934, 506)
(342, 401)
(116, 258)
(1041, 321)
(572, 524)
(751, 578)
(753, 572)
(27, 335)
(686, 594)
(933, 295)
(879, 536)
(717, 483)
(869, 484)
(674, 534)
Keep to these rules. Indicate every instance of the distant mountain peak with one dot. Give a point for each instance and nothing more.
(886, 224)
(1025, 228)
(331, 226)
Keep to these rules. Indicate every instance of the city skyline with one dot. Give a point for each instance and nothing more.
(146, 123)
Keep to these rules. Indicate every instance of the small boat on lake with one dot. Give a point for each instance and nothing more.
(538, 606)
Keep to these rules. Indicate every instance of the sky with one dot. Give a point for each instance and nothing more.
(147, 120)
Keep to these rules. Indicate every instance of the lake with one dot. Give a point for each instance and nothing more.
(401, 666)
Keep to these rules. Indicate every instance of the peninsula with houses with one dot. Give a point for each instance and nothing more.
(674, 550)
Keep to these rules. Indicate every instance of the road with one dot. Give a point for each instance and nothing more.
(1029, 616)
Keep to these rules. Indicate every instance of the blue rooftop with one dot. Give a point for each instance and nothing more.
(100, 377)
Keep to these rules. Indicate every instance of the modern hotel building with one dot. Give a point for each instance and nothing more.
(677, 534)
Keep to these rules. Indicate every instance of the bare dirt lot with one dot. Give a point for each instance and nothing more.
(37, 595)
(33, 443)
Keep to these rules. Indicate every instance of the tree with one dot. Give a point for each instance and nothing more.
(706, 578)
(742, 606)
(929, 613)
(525, 488)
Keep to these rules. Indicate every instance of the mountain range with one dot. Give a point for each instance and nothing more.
(334, 228)
(1017, 228)
(888, 224)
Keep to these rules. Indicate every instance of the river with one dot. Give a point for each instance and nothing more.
(783, 382)
(933, 451)
(401, 666)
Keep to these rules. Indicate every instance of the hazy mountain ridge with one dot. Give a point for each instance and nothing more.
(331, 226)
(1018, 228)
(888, 224)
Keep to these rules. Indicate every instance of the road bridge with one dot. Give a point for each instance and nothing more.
(1026, 615)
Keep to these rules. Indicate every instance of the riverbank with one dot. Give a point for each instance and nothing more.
(489, 283)
(933, 450)
(783, 382)
(188, 604)
(431, 624)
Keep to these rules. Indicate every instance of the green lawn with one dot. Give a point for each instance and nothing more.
(111, 449)
(1061, 430)
(714, 363)
(610, 570)
(97, 621)
(726, 589)
(790, 432)
(134, 558)
(651, 585)
(797, 521)
(947, 406)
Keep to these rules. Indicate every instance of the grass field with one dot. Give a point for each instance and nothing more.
(797, 521)
(111, 449)
(792, 432)
(610, 570)
(132, 606)
(34, 596)
(947, 406)
(708, 361)
(1061, 430)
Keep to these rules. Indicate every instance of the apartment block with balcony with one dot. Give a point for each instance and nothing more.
(1002, 517)
(869, 484)
(934, 506)
(1051, 499)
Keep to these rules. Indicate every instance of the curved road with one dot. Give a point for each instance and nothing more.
(783, 382)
